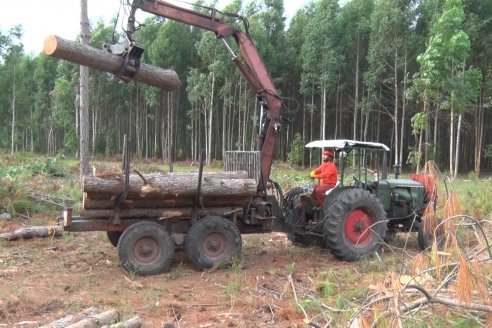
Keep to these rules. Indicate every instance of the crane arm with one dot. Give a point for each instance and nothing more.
(253, 69)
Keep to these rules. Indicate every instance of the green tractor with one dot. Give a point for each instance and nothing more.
(365, 209)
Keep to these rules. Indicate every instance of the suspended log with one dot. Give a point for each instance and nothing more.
(95, 203)
(97, 320)
(33, 231)
(164, 213)
(169, 186)
(100, 59)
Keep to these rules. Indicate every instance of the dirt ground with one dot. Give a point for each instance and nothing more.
(43, 279)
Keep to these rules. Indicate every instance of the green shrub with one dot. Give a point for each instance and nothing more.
(296, 153)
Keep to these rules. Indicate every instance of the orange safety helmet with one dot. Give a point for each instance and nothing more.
(328, 152)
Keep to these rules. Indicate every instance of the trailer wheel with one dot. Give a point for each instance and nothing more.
(213, 242)
(146, 248)
(354, 224)
(114, 237)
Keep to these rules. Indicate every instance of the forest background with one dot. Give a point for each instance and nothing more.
(415, 75)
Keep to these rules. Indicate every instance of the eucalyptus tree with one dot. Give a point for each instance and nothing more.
(390, 41)
(44, 76)
(64, 97)
(295, 38)
(104, 92)
(320, 55)
(354, 26)
(172, 47)
(444, 68)
(84, 96)
(477, 25)
(12, 51)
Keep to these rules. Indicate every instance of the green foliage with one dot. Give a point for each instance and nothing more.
(14, 197)
(296, 153)
(419, 122)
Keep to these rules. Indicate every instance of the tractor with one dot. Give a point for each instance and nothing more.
(365, 208)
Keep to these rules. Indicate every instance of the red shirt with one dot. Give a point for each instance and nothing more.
(327, 172)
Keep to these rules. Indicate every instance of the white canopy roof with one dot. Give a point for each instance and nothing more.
(345, 143)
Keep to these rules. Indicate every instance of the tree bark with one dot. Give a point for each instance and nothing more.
(102, 60)
(98, 320)
(169, 186)
(72, 318)
(30, 232)
(84, 95)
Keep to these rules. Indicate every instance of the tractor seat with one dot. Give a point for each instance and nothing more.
(330, 190)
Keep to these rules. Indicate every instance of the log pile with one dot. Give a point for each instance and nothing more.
(154, 194)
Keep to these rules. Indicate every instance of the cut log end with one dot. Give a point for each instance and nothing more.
(50, 44)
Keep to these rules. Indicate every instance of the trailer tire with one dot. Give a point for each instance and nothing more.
(146, 248)
(114, 237)
(355, 224)
(213, 242)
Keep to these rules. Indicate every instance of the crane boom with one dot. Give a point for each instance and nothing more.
(253, 69)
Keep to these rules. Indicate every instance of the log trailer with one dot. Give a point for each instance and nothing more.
(147, 217)
(210, 226)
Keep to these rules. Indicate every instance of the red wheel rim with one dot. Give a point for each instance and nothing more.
(214, 244)
(146, 250)
(358, 227)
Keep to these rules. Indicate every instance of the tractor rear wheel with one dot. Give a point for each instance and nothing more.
(355, 224)
(146, 248)
(213, 242)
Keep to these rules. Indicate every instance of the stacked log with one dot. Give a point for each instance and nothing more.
(154, 195)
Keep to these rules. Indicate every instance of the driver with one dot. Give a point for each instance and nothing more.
(327, 173)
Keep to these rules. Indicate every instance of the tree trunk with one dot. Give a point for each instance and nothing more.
(451, 143)
(457, 150)
(356, 100)
(33, 231)
(396, 140)
(403, 109)
(14, 94)
(72, 318)
(169, 186)
(479, 123)
(98, 320)
(83, 54)
(84, 95)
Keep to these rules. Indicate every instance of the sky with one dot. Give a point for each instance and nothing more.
(62, 17)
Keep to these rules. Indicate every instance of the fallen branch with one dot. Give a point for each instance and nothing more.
(453, 303)
(32, 231)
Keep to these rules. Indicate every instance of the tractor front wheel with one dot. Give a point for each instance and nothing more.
(355, 224)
